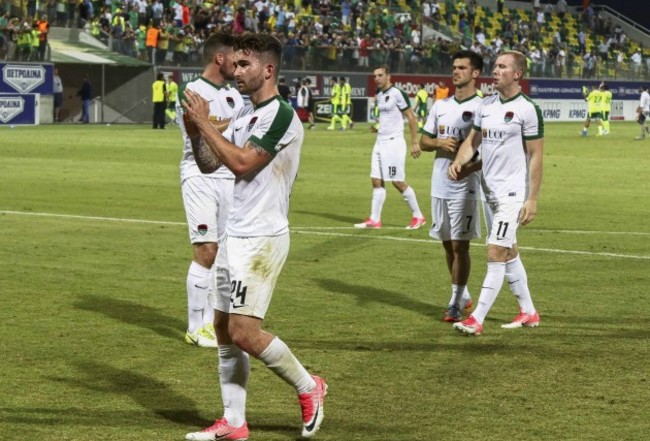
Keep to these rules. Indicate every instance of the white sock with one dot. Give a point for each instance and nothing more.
(278, 357)
(409, 197)
(457, 295)
(491, 286)
(518, 281)
(208, 315)
(198, 280)
(234, 370)
(466, 296)
(378, 198)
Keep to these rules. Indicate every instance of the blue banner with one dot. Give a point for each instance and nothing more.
(18, 109)
(572, 89)
(26, 78)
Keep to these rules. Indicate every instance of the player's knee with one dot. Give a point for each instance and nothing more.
(205, 253)
(460, 247)
(240, 334)
(400, 185)
(497, 254)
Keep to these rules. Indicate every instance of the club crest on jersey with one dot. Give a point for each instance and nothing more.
(467, 116)
(230, 101)
(509, 116)
(251, 123)
(386, 98)
(484, 133)
(441, 129)
(202, 229)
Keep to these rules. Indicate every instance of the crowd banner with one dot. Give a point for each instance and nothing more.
(19, 109)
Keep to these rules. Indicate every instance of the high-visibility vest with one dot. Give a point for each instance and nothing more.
(172, 89)
(158, 89)
(152, 37)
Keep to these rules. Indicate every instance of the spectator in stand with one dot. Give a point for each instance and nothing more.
(561, 8)
(162, 46)
(43, 27)
(364, 47)
(157, 11)
(152, 42)
(637, 59)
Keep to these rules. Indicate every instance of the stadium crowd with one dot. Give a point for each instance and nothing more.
(331, 35)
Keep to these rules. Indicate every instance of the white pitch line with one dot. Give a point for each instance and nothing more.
(531, 230)
(410, 239)
(310, 231)
(110, 219)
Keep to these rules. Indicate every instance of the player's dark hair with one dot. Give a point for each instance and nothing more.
(384, 67)
(215, 43)
(268, 47)
(475, 59)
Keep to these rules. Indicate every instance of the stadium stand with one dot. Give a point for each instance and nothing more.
(415, 36)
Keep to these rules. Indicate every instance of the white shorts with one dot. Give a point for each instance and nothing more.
(389, 159)
(247, 269)
(454, 219)
(502, 221)
(207, 203)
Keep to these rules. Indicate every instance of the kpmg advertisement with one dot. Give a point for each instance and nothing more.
(26, 78)
(19, 109)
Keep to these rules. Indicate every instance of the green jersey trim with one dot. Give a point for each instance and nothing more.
(510, 99)
(216, 86)
(264, 103)
(466, 99)
(430, 135)
(278, 128)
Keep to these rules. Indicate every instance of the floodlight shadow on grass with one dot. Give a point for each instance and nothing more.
(149, 393)
(347, 220)
(370, 294)
(133, 313)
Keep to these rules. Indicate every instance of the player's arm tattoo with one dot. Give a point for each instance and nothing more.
(261, 151)
(205, 159)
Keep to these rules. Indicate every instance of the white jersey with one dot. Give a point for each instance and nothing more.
(225, 102)
(505, 126)
(261, 200)
(450, 118)
(391, 103)
(303, 97)
(644, 102)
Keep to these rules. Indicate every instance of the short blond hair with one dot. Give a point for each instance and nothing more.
(520, 61)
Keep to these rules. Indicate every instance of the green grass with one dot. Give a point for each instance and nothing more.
(93, 306)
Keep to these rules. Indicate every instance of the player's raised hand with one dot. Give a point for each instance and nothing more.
(195, 107)
(528, 212)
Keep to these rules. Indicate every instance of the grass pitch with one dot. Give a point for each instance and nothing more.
(94, 254)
